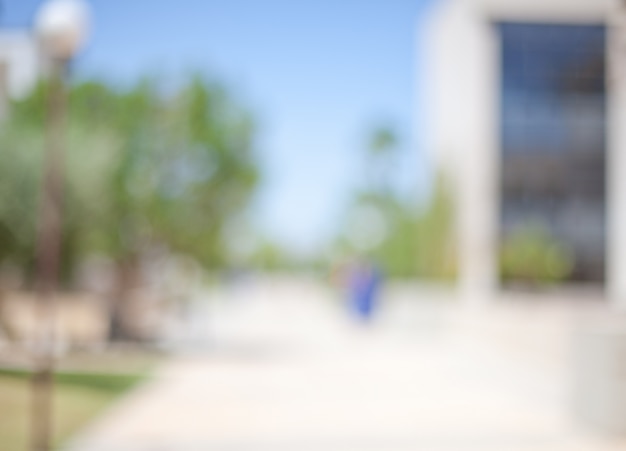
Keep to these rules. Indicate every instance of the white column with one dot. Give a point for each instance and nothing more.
(462, 93)
(616, 166)
(479, 192)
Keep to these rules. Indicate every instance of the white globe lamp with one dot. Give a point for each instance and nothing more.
(62, 27)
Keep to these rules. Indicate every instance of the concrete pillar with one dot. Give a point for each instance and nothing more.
(616, 153)
(598, 388)
(461, 92)
(479, 188)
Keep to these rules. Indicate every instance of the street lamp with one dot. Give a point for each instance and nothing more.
(61, 27)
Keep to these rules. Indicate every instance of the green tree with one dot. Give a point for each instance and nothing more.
(404, 238)
(380, 151)
(142, 168)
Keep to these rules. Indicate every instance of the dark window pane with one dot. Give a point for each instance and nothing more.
(553, 127)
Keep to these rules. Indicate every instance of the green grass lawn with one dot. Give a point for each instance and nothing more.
(79, 396)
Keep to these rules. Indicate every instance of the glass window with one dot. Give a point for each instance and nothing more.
(553, 136)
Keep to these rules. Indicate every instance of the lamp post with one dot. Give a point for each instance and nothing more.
(61, 26)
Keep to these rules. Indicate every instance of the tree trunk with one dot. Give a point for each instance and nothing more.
(6, 328)
(121, 325)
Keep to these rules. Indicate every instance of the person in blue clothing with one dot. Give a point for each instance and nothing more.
(364, 287)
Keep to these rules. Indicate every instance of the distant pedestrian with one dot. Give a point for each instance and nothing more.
(365, 283)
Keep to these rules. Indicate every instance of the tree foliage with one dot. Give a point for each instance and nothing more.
(405, 239)
(142, 168)
(532, 256)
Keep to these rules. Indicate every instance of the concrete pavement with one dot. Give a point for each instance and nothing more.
(286, 370)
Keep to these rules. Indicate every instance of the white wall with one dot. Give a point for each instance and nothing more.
(18, 50)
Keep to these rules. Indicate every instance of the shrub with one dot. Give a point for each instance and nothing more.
(532, 256)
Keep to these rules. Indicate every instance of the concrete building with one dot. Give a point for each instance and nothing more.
(526, 113)
(20, 66)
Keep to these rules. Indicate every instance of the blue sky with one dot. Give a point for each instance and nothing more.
(317, 73)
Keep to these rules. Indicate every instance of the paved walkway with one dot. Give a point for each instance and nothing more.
(286, 371)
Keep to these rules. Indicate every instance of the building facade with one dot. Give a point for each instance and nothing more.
(525, 110)
(20, 66)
